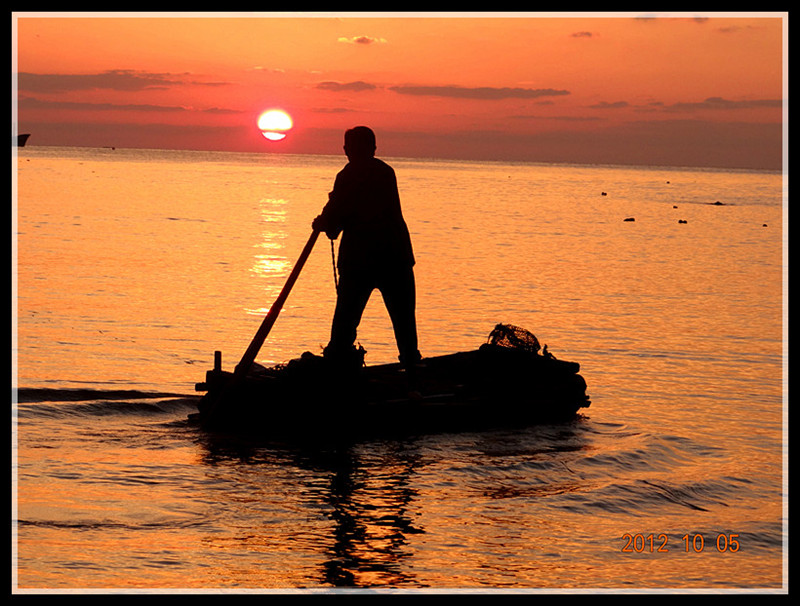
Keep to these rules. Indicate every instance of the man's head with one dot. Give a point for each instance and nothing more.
(359, 142)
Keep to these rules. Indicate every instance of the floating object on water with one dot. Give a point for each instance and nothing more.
(717, 203)
(629, 219)
(602, 193)
(506, 382)
(682, 221)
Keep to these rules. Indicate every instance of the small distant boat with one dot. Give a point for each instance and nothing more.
(506, 382)
(21, 140)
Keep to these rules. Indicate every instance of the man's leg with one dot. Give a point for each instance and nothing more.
(399, 294)
(352, 298)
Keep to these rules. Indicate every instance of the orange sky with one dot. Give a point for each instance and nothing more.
(673, 89)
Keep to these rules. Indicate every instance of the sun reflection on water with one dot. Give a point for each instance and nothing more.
(269, 263)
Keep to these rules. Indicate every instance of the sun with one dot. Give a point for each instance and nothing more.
(275, 124)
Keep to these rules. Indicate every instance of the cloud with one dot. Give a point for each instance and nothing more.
(460, 92)
(557, 118)
(357, 86)
(665, 17)
(332, 110)
(607, 105)
(271, 70)
(732, 29)
(482, 92)
(33, 103)
(709, 104)
(718, 103)
(121, 80)
(363, 40)
(218, 111)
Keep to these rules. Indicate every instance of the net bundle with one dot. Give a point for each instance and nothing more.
(514, 337)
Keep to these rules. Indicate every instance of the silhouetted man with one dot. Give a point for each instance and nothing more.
(375, 250)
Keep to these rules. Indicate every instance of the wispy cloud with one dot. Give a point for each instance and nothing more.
(732, 29)
(119, 80)
(332, 110)
(653, 17)
(460, 92)
(34, 103)
(709, 104)
(607, 105)
(363, 40)
(557, 118)
(718, 103)
(481, 92)
(357, 86)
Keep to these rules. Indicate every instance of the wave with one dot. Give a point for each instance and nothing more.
(169, 524)
(63, 403)
(45, 394)
(645, 497)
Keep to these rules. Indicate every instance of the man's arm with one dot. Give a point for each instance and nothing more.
(334, 214)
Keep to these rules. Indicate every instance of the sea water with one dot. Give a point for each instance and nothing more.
(131, 267)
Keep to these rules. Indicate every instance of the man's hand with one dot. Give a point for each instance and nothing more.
(319, 224)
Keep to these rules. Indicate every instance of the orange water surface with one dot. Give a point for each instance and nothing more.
(134, 266)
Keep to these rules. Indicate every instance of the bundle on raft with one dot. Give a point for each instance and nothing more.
(507, 381)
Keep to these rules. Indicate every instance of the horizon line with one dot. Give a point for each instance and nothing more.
(420, 158)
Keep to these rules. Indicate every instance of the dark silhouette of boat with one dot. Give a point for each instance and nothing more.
(21, 140)
(507, 381)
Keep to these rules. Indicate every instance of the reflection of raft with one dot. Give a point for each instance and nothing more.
(506, 382)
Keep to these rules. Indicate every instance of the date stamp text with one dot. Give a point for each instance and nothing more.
(688, 543)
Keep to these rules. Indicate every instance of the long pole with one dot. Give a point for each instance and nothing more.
(243, 367)
(250, 354)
